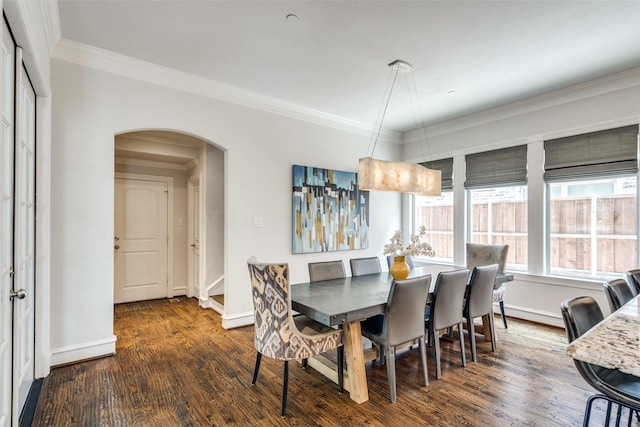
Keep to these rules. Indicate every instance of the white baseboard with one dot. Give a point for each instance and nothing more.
(546, 318)
(83, 351)
(230, 322)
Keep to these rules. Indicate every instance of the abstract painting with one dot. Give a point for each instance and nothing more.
(330, 213)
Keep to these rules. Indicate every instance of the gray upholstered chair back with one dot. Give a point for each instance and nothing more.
(481, 254)
(407, 259)
(326, 270)
(618, 293)
(633, 277)
(480, 294)
(275, 333)
(448, 295)
(362, 266)
(404, 313)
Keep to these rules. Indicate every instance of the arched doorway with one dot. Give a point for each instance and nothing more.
(193, 171)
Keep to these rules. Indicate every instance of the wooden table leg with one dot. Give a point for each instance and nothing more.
(357, 375)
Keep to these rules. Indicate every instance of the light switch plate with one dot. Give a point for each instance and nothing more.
(257, 222)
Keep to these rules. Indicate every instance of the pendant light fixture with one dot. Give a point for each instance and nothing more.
(403, 177)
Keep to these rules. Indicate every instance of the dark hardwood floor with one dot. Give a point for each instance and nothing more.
(176, 366)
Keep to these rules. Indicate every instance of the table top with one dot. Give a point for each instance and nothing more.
(613, 343)
(332, 302)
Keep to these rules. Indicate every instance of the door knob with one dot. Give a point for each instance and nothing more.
(116, 247)
(20, 294)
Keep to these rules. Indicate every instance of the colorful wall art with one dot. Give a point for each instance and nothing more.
(330, 213)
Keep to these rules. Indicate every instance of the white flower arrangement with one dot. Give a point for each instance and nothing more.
(415, 247)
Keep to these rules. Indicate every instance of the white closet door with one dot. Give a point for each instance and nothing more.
(24, 238)
(6, 227)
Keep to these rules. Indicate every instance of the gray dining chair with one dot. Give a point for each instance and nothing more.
(479, 302)
(618, 293)
(407, 259)
(633, 277)
(479, 254)
(445, 310)
(277, 333)
(362, 266)
(403, 322)
(613, 386)
(326, 270)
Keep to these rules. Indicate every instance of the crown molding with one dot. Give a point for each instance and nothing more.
(590, 89)
(104, 60)
(51, 20)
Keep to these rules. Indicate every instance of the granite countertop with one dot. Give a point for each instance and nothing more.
(614, 342)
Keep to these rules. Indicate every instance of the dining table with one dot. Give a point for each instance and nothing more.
(613, 343)
(345, 302)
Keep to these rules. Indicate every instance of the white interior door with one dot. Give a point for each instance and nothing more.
(24, 239)
(194, 226)
(141, 240)
(6, 230)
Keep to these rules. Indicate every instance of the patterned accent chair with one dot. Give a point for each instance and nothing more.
(482, 254)
(279, 335)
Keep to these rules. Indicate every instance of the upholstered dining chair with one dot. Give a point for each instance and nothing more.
(446, 310)
(407, 259)
(633, 277)
(618, 293)
(326, 270)
(482, 254)
(279, 335)
(362, 266)
(615, 387)
(403, 322)
(478, 302)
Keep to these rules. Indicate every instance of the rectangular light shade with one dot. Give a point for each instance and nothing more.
(383, 175)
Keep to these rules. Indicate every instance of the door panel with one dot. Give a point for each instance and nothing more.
(141, 243)
(24, 240)
(6, 230)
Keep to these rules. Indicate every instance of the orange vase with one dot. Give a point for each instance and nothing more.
(399, 268)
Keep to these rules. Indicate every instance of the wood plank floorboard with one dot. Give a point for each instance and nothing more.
(176, 366)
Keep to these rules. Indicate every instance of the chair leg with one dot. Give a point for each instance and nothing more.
(504, 316)
(464, 357)
(492, 331)
(391, 370)
(436, 349)
(285, 383)
(304, 363)
(340, 369)
(423, 359)
(472, 338)
(257, 368)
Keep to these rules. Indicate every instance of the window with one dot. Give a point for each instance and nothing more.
(497, 194)
(592, 191)
(436, 213)
(499, 217)
(593, 227)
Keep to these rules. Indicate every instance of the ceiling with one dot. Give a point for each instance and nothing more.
(332, 56)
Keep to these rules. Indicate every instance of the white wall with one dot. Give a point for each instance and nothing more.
(91, 106)
(600, 104)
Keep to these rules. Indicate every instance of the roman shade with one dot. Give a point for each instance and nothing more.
(445, 166)
(602, 153)
(496, 168)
